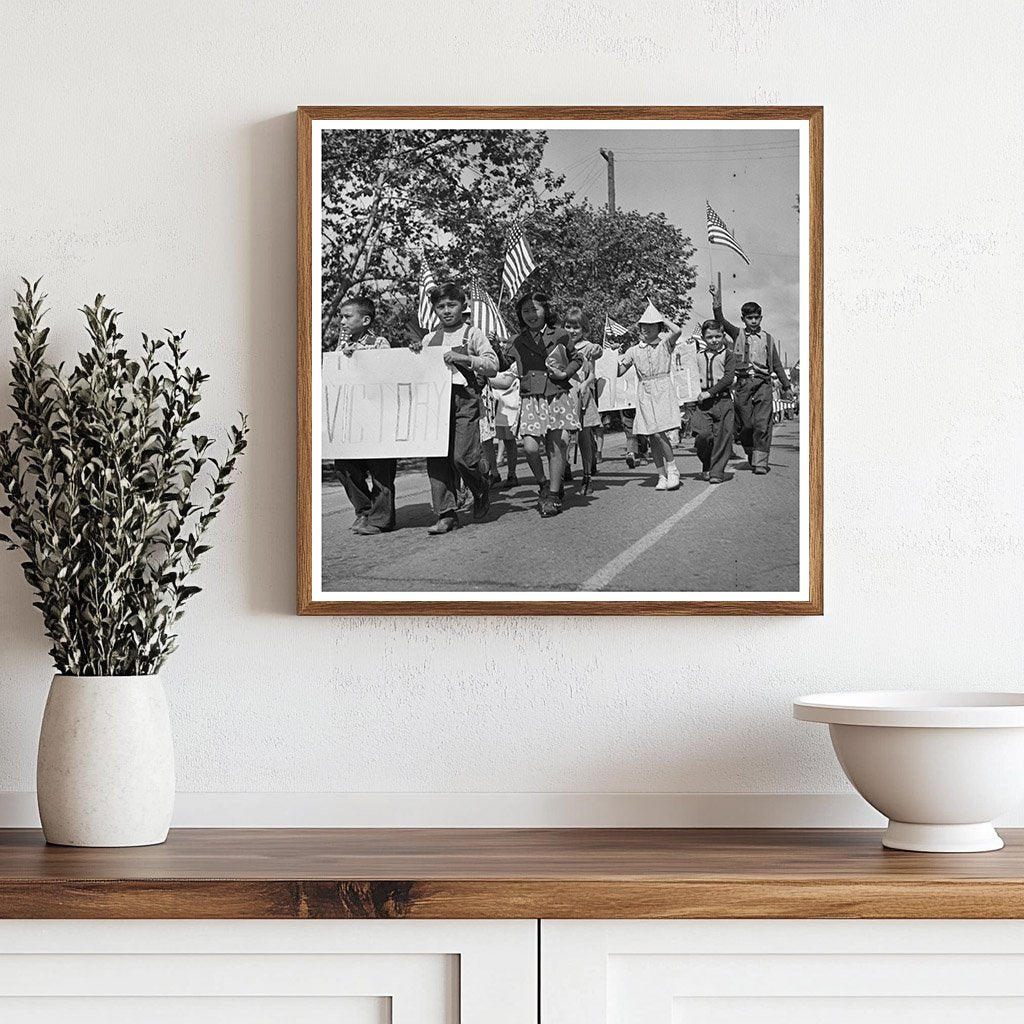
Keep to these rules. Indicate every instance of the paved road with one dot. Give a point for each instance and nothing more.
(742, 535)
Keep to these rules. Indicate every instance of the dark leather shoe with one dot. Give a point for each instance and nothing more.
(366, 530)
(482, 505)
(359, 522)
(760, 470)
(716, 479)
(444, 525)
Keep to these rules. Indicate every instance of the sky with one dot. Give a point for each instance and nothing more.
(751, 179)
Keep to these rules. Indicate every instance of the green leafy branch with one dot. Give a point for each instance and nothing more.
(109, 494)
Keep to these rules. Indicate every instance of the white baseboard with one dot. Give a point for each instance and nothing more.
(504, 810)
(495, 810)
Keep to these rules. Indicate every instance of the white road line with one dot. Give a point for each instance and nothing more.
(604, 576)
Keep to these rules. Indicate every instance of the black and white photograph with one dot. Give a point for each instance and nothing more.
(559, 360)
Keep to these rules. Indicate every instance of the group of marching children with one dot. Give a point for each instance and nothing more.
(539, 389)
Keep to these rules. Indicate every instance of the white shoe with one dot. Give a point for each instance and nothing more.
(662, 484)
(672, 479)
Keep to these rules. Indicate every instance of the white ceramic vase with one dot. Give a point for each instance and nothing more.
(105, 771)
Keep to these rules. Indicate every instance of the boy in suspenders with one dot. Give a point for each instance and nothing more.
(712, 420)
(757, 358)
(469, 355)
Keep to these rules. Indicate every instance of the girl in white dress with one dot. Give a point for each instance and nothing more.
(657, 407)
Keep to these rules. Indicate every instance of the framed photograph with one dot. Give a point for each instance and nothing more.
(560, 360)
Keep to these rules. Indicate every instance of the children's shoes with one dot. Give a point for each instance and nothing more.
(672, 478)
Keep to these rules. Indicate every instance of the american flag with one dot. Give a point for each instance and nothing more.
(611, 327)
(484, 313)
(426, 315)
(519, 263)
(719, 234)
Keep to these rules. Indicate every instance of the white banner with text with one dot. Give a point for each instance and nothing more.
(385, 403)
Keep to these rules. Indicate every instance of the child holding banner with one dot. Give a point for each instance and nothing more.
(712, 419)
(546, 360)
(471, 357)
(657, 407)
(500, 395)
(369, 483)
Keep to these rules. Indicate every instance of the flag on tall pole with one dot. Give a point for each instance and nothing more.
(519, 264)
(719, 234)
(425, 314)
(484, 313)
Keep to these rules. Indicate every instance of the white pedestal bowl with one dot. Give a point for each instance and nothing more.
(940, 766)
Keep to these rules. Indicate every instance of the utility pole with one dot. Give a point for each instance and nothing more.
(610, 157)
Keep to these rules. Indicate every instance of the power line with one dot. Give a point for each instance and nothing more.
(709, 149)
(705, 159)
(575, 163)
(573, 180)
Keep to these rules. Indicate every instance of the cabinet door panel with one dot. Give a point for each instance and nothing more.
(735, 972)
(187, 1010)
(301, 972)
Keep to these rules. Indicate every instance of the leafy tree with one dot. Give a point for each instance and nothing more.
(387, 193)
(611, 263)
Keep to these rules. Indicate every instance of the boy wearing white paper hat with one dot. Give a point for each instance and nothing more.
(657, 406)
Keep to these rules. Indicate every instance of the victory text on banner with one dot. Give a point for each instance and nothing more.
(614, 392)
(686, 371)
(385, 403)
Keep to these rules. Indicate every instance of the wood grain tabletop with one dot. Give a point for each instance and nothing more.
(508, 873)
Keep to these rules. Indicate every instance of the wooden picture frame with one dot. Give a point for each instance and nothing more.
(808, 601)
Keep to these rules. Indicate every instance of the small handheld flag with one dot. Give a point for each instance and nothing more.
(611, 327)
(484, 313)
(612, 332)
(519, 264)
(719, 234)
(426, 316)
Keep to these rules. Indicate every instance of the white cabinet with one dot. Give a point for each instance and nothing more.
(782, 972)
(258, 972)
(486, 972)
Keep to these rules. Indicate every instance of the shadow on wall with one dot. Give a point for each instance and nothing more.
(269, 304)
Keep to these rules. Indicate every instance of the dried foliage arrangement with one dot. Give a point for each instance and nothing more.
(109, 495)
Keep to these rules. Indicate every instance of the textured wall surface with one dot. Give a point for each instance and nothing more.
(148, 152)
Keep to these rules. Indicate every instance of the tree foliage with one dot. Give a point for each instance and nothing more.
(388, 194)
(109, 495)
(611, 263)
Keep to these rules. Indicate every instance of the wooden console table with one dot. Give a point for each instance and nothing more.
(507, 873)
(495, 926)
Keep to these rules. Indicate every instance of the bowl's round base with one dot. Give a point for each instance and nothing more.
(979, 838)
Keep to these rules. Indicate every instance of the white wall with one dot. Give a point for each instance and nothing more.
(148, 152)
